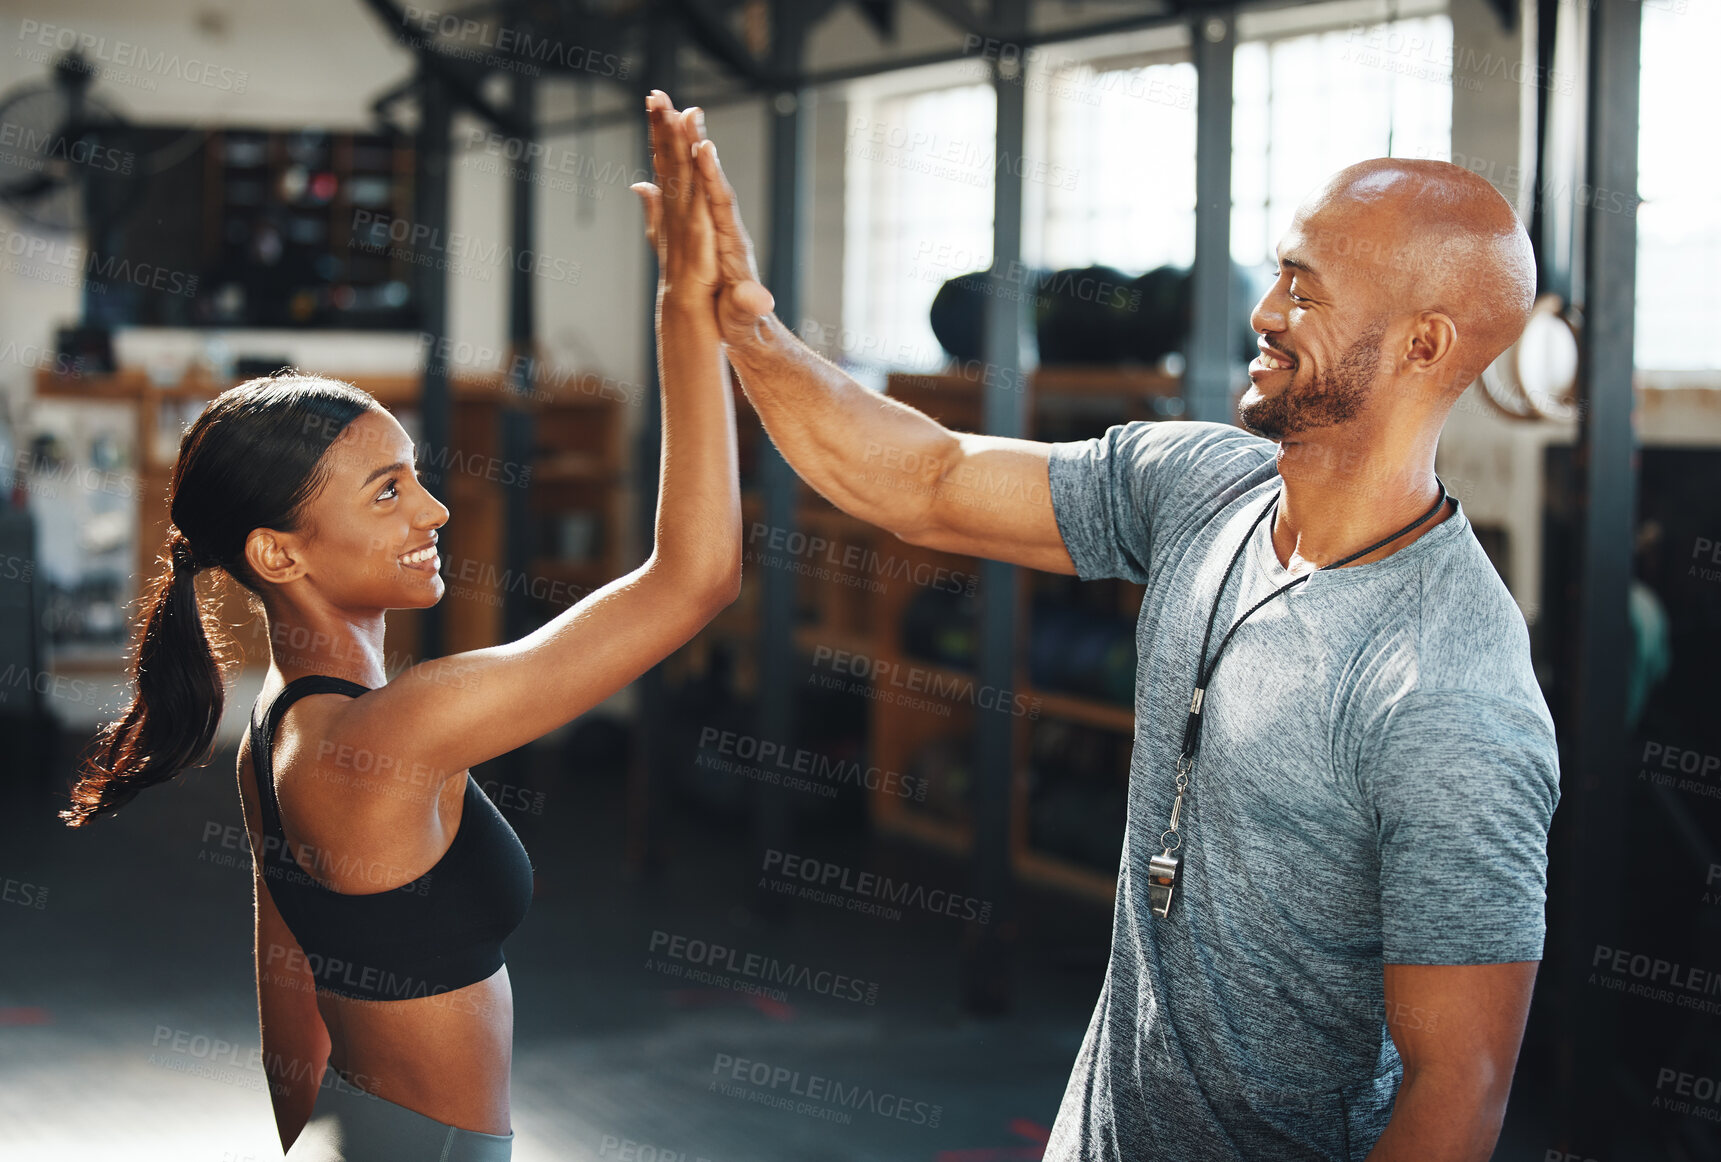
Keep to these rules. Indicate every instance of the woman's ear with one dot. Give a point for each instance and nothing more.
(273, 556)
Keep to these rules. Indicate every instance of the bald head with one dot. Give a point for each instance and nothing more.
(1428, 236)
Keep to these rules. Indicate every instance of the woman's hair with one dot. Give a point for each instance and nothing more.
(251, 460)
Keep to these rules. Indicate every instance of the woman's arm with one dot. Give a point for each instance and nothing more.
(295, 1043)
(450, 713)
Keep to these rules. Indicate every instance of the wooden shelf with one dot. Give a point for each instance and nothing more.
(583, 430)
(1088, 711)
(1051, 871)
(592, 573)
(573, 468)
(897, 733)
(917, 825)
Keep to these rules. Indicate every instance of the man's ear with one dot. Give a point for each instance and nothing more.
(1433, 349)
(274, 556)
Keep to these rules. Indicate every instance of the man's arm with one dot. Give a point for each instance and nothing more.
(874, 457)
(1458, 1028)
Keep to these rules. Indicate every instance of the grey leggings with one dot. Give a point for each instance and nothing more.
(349, 1125)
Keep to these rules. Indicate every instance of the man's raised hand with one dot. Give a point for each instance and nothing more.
(677, 214)
(742, 300)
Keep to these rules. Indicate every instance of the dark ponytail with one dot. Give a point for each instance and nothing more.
(251, 460)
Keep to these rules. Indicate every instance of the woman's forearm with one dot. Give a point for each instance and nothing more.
(699, 499)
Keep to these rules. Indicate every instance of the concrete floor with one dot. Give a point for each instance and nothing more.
(128, 1025)
(128, 1020)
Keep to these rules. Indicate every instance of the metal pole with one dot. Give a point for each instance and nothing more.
(430, 210)
(1210, 353)
(516, 418)
(790, 129)
(648, 762)
(988, 967)
(1595, 761)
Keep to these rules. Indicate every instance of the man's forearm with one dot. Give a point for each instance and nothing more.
(1441, 1118)
(875, 458)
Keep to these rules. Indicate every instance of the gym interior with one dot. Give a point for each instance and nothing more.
(1033, 218)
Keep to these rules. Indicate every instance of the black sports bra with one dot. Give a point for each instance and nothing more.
(442, 931)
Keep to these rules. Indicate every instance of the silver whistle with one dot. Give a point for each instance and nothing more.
(1162, 874)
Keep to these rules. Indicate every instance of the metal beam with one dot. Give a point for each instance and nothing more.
(522, 342)
(1210, 352)
(1595, 760)
(515, 420)
(460, 77)
(814, 80)
(959, 13)
(790, 134)
(648, 763)
(716, 38)
(988, 968)
(1556, 229)
(430, 213)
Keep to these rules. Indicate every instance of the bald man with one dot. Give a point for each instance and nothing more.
(1344, 964)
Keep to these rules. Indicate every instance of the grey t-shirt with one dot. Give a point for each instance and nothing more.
(1376, 778)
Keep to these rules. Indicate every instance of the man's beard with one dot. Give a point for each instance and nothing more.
(1333, 397)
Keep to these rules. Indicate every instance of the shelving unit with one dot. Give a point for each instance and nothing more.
(867, 619)
(575, 481)
(1067, 403)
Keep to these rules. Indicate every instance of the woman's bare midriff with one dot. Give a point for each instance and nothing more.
(447, 1056)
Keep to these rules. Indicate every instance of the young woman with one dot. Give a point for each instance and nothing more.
(385, 880)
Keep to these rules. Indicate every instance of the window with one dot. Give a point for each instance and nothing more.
(1307, 106)
(1128, 199)
(919, 212)
(1679, 179)
(1111, 173)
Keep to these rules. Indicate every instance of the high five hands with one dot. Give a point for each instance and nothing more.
(703, 249)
